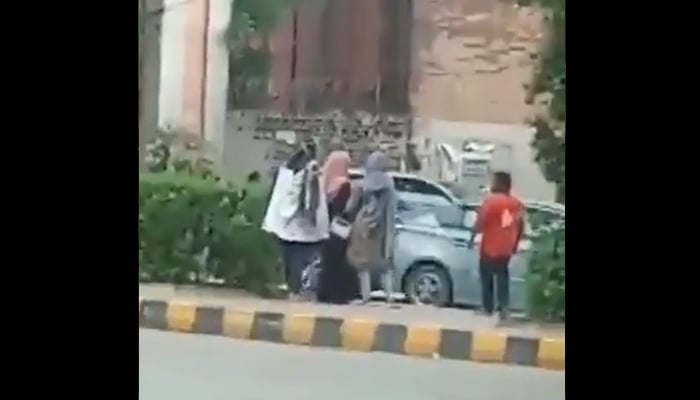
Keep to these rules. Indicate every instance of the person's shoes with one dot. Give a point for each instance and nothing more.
(485, 313)
(307, 297)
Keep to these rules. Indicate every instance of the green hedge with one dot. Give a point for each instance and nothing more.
(546, 276)
(192, 228)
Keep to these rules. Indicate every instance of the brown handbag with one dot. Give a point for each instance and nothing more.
(360, 245)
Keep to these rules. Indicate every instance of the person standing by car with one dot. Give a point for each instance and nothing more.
(337, 281)
(297, 214)
(500, 221)
(371, 240)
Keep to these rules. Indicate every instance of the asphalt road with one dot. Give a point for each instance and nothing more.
(176, 366)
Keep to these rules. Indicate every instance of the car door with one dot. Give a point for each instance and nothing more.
(467, 289)
(435, 235)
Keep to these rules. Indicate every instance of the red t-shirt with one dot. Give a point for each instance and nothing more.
(500, 222)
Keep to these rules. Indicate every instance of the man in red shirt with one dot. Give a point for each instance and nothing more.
(500, 222)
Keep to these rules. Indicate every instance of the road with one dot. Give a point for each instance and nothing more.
(175, 366)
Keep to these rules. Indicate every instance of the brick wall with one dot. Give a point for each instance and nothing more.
(471, 59)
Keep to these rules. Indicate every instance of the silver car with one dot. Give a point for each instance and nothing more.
(432, 260)
(435, 266)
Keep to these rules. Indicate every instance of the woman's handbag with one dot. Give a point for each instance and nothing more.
(341, 227)
(360, 246)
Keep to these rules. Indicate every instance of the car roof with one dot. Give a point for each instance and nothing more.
(533, 204)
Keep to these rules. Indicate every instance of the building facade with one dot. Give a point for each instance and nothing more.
(472, 61)
(459, 68)
(456, 60)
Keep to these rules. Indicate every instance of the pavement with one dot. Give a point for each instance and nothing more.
(423, 331)
(177, 366)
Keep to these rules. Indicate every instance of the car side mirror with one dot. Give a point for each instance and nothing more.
(469, 218)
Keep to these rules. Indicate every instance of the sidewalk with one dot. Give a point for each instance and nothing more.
(528, 339)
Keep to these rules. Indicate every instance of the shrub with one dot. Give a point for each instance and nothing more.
(194, 227)
(158, 152)
(546, 288)
(253, 255)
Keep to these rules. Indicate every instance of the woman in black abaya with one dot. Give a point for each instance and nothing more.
(338, 282)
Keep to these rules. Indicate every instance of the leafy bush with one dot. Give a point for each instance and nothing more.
(158, 152)
(546, 275)
(191, 228)
(177, 150)
(252, 257)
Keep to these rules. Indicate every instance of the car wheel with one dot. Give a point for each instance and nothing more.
(428, 284)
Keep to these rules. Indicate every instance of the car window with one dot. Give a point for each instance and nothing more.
(417, 186)
(470, 215)
(414, 193)
(417, 192)
(448, 216)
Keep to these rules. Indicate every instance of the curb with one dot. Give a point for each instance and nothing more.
(353, 334)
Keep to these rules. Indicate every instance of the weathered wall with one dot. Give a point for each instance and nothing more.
(462, 63)
(330, 55)
(343, 54)
(513, 152)
(255, 140)
(471, 59)
(470, 64)
(149, 72)
(194, 67)
(456, 60)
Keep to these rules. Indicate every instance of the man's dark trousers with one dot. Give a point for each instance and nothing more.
(494, 270)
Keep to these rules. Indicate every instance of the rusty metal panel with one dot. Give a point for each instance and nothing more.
(395, 53)
(281, 48)
(308, 68)
(348, 54)
(362, 35)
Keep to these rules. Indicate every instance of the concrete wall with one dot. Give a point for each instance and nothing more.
(513, 153)
(193, 84)
(149, 72)
(253, 138)
(172, 53)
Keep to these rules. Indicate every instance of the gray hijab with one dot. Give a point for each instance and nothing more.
(376, 176)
